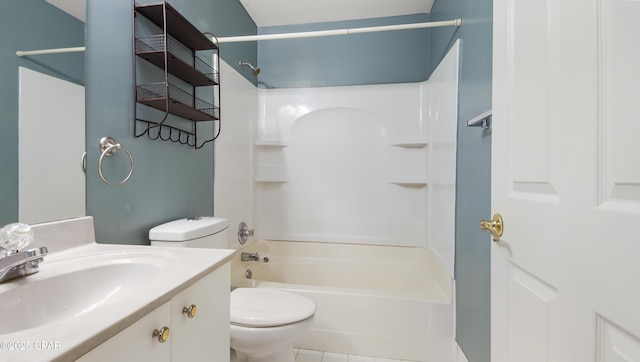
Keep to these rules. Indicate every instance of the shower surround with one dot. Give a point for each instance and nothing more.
(370, 164)
(334, 168)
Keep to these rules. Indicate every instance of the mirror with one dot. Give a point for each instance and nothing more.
(51, 182)
(33, 25)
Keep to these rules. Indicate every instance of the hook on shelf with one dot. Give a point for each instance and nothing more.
(172, 134)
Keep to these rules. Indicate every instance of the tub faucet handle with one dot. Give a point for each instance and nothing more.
(244, 232)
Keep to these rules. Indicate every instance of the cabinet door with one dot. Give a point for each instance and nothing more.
(136, 342)
(205, 337)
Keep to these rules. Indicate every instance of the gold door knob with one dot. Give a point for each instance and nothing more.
(162, 334)
(190, 311)
(495, 226)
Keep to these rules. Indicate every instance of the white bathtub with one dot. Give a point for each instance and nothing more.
(384, 301)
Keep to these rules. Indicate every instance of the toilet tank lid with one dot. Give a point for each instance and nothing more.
(189, 228)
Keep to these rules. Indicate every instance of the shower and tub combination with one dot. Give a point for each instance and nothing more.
(353, 206)
(384, 301)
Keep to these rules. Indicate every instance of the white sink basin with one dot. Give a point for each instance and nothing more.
(76, 285)
(54, 296)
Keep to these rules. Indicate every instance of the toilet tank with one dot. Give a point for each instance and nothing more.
(194, 232)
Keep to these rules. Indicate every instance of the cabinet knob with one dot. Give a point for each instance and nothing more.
(162, 334)
(190, 311)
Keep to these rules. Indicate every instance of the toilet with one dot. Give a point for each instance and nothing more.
(264, 322)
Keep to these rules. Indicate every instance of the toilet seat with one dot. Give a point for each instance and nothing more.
(260, 307)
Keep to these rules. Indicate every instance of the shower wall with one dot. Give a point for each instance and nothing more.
(233, 196)
(368, 164)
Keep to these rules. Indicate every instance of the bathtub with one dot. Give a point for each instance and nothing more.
(384, 301)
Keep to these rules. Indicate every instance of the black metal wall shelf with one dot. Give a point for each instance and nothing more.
(176, 24)
(180, 102)
(181, 62)
(174, 50)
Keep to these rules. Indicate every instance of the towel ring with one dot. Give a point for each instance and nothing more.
(109, 147)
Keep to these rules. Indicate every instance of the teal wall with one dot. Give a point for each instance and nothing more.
(368, 58)
(473, 193)
(170, 180)
(29, 25)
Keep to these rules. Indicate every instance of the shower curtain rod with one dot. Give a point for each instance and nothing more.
(304, 34)
(347, 31)
(24, 53)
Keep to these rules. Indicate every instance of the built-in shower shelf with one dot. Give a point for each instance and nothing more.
(271, 179)
(442, 183)
(270, 143)
(443, 144)
(410, 143)
(410, 182)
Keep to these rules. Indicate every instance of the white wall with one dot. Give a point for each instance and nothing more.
(360, 164)
(443, 115)
(233, 180)
(336, 174)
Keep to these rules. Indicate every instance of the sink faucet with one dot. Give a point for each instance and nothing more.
(13, 262)
(249, 256)
(21, 263)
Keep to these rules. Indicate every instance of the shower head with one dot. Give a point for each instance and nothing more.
(255, 70)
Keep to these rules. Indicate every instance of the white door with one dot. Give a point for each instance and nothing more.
(566, 179)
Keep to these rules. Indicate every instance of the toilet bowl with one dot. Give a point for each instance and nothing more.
(265, 323)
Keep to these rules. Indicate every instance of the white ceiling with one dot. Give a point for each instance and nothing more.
(288, 12)
(75, 8)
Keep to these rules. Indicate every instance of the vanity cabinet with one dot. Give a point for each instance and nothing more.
(135, 342)
(205, 337)
(202, 337)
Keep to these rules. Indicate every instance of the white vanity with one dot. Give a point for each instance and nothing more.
(105, 302)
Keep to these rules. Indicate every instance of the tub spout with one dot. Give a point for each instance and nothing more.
(249, 257)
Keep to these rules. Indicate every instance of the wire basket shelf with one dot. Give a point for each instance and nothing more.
(181, 60)
(180, 102)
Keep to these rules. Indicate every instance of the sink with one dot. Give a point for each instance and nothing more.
(86, 293)
(73, 288)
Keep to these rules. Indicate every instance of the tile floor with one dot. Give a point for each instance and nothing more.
(305, 355)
